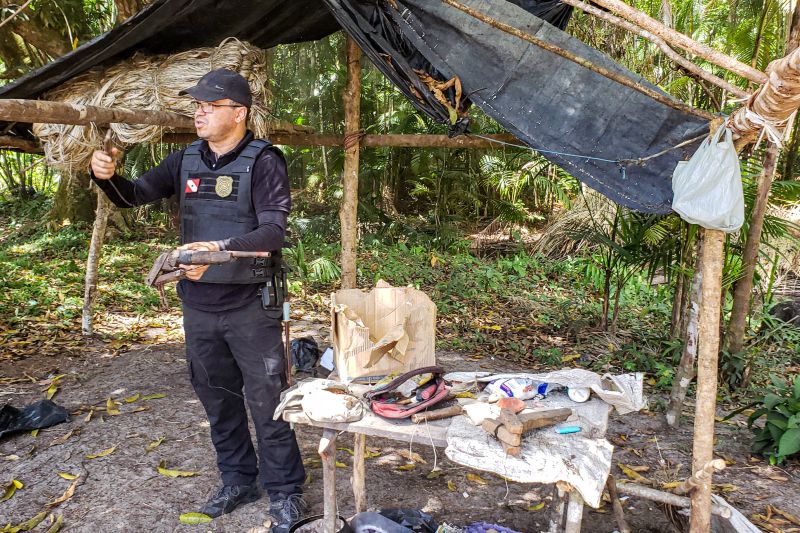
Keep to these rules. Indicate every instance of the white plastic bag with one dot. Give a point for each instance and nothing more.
(708, 188)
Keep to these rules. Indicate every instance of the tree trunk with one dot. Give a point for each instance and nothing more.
(744, 287)
(708, 357)
(348, 212)
(73, 201)
(685, 372)
(95, 249)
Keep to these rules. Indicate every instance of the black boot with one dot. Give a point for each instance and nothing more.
(285, 510)
(229, 497)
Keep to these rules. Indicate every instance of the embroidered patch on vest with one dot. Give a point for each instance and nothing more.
(192, 185)
(224, 186)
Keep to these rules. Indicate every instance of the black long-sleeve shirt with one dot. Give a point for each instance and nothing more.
(271, 202)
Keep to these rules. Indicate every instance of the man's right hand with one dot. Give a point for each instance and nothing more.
(104, 165)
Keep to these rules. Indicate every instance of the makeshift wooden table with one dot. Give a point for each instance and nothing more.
(568, 504)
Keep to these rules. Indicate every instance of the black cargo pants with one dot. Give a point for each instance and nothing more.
(234, 350)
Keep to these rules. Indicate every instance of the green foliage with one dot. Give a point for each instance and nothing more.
(779, 437)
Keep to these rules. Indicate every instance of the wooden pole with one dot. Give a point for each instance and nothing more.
(348, 211)
(662, 44)
(43, 111)
(327, 452)
(676, 38)
(744, 287)
(406, 140)
(619, 513)
(708, 354)
(582, 61)
(359, 478)
(93, 260)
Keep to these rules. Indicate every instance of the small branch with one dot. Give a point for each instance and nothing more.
(15, 13)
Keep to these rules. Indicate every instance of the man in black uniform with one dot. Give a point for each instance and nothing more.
(234, 195)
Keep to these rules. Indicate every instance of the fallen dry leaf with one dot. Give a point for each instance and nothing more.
(56, 523)
(131, 399)
(107, 451)
(633, 474)
(29, 524)
(154, 396)
(68, 476)
(409, 466)
(451, 486)
(164, 471)
(67, 494)
(475, 478)
(63, 438)
(112, 407)
(194, 519)
(11, 488)
(154, 444)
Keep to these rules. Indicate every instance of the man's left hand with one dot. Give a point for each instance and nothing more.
(195, 272)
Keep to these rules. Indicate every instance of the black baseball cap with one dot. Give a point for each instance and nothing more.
(221, 83)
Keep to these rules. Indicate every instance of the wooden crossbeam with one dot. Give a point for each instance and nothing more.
(47, 112)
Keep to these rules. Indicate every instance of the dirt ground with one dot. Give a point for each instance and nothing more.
(123, 490)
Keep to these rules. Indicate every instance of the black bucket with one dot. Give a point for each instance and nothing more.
(311, 519)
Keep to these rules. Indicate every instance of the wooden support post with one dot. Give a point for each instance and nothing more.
(574, 513)
(358, 481)
(557, 514)
(93, 259)
(348, 212)
(619, 513)
(327, 452)
(30, 111)
(708, 354)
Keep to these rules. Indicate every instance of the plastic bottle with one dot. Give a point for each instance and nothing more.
(521, 388)
(579, 395)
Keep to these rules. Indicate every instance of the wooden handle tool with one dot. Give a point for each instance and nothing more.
(437, 414)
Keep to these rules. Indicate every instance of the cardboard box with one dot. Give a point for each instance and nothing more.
(387, 330)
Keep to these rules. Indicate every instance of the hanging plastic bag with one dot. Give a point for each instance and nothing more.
(708, 188)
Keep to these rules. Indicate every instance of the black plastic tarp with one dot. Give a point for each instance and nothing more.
(547, 101)
(550, 103)
(171, 26)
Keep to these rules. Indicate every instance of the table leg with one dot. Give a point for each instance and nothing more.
(327, 452)
(358, 480)
(574, 512)
(557, 516)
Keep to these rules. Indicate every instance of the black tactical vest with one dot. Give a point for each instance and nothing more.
(217, 204)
